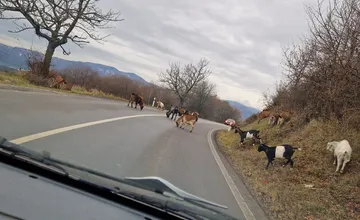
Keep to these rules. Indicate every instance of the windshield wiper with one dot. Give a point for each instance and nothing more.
(160, 185)
(45, 159)
(18, 150)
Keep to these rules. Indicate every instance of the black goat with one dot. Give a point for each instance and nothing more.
(282, 151)
(253, 134)
(173, 112)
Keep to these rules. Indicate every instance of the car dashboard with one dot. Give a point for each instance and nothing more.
(25, 195)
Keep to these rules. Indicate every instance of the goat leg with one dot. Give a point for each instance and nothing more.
(267, 166)
(241, 141)
(291, 163)
(338, 164)
(287, 162)
(343, 166)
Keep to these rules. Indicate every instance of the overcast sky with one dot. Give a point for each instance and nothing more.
(243, 39)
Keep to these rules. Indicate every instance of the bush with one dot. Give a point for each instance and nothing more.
(34, 75)
(322, 73)
(251, 119)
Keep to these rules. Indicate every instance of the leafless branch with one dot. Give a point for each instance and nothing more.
(183, 80)
(323, 71)
(57, 20)
(64, 51)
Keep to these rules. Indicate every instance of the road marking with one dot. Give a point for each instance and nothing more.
(234, 190)
(73, 127)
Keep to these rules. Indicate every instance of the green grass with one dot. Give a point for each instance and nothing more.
(284, 194)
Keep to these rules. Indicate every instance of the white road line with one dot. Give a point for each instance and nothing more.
(73, 127)
(234, 190)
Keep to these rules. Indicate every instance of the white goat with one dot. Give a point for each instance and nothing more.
(342, 153)
(160, 105)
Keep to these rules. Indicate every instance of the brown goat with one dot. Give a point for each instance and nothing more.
(196, 114)
(284, 116)
(273, 120)
(137, 99)
(263, 114)
(189, 119)
(181, 110)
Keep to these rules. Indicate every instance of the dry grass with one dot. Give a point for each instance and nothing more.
(18, 79)
(282, 190)
(95, 93)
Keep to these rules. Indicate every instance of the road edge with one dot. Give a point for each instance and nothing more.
(10, 87)
(247, 202)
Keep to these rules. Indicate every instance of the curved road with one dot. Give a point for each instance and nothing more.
(140, 146)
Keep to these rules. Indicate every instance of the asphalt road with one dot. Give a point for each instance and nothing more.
(143, 146)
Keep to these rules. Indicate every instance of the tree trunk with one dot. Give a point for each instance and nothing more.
(47, 60)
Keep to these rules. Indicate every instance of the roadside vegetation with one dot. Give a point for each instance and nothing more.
(320, 89)
(284, 192)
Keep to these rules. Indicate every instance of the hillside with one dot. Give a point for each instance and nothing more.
(15, 57)
(246, 111)
(311, 190)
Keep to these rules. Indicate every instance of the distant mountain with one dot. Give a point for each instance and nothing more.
(245, 110)
(16, 57)
(7, 69)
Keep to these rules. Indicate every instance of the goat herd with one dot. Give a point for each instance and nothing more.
(341, 150)
(186, 117)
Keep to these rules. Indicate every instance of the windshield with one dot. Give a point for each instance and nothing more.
(237, 103)
(119, 141)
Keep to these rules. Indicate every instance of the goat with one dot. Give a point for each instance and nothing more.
(137, 99)
(189, 119)
(263, 114)
(341, 152)
(182, 111)
(253, 134)
(284, 116)
(174, 111)
(58, 81)
(273, 120)
(160, 105)
(283, 151)
(196, 114)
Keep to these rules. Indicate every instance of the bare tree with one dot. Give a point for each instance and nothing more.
(201, 94)
(59, 21)
(182, 80)
(222, 111)
(323, 71)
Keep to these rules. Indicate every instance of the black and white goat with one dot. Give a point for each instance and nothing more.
(253, 134)
(283, 151)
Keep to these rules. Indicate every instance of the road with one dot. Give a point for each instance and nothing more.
(141, 146)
